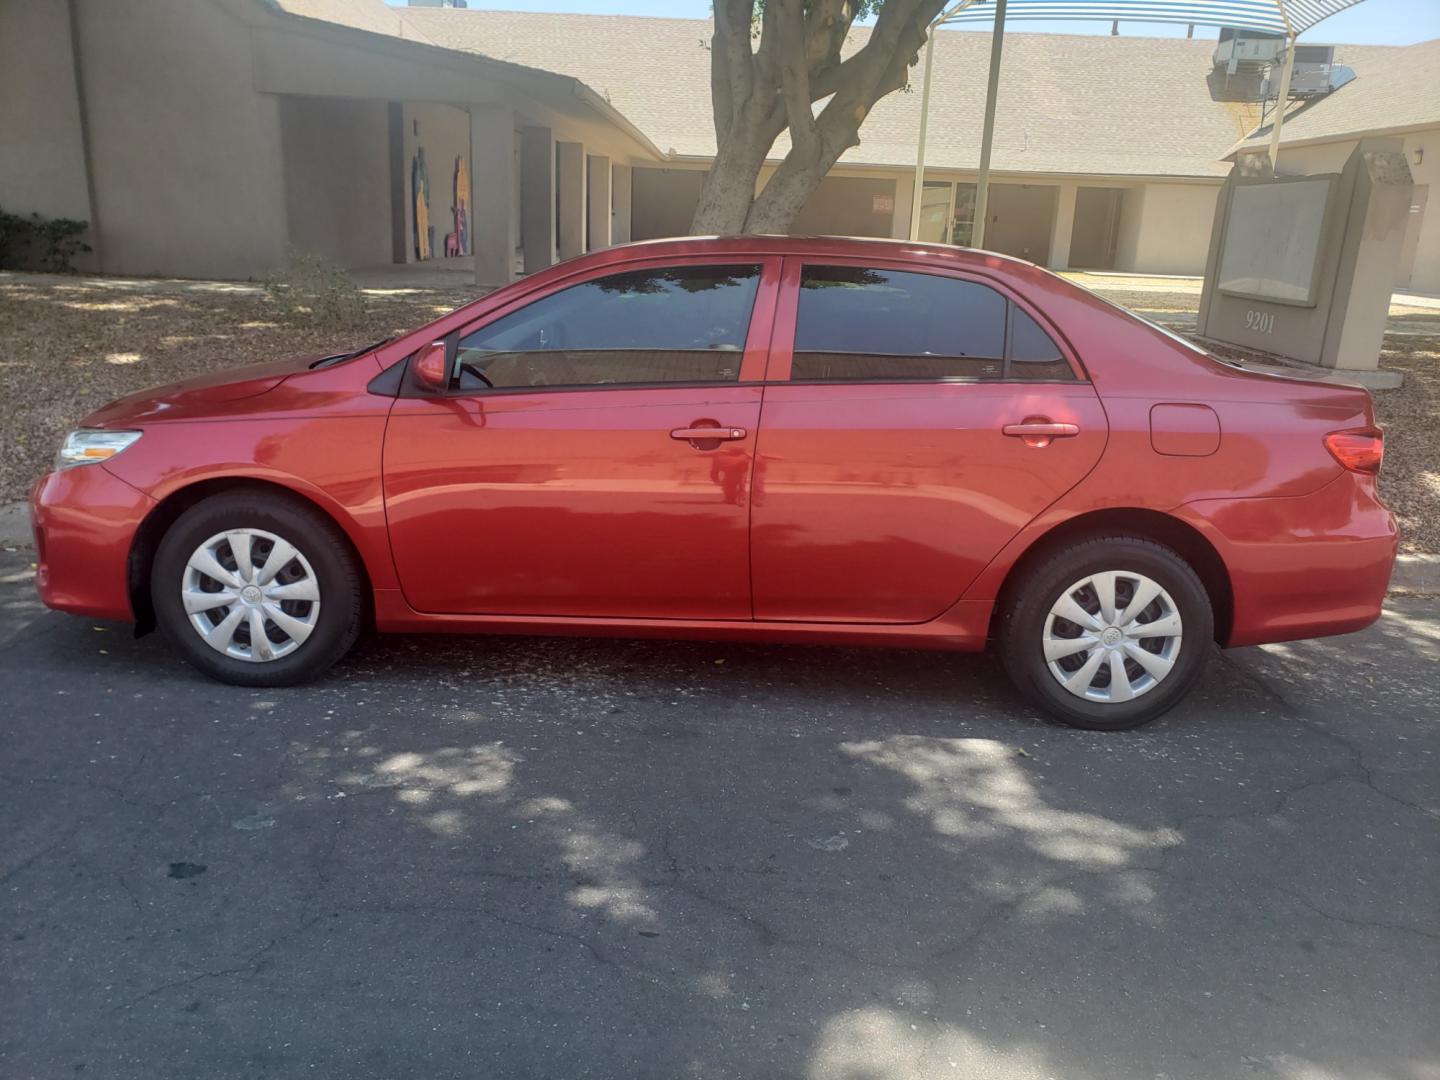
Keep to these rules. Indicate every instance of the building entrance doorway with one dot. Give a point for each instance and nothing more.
(1097, 228)
(1021, 217)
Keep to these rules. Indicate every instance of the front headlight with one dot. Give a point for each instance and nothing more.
(89, 445)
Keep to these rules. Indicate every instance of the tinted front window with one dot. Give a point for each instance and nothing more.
(862, 323)
(677, 324)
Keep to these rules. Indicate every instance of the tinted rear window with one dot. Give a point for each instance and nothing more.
(859, 323)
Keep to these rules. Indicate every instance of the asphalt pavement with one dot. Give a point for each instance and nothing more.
(499, 858)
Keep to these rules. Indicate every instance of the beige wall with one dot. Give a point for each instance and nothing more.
(1020, 220)
(845, 206)
(1127, 235)
(337, 179)
(185, 155)
(42, 157)
(663, 201)
(222, 130)
(1165, 228)
(1424, 269)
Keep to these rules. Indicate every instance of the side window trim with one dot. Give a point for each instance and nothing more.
(752, 355)
(782, 343)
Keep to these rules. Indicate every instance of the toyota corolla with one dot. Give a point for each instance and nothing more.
(753, 438)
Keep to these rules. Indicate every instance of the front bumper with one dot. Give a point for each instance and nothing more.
(84, 520)
(1303, 567)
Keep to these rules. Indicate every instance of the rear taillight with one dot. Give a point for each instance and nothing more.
(1359, 451)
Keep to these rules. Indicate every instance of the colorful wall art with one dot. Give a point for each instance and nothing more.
(420, 186)
(458, 242)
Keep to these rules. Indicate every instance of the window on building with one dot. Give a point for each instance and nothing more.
(675, 324)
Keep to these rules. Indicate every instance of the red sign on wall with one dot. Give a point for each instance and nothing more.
(882, 204)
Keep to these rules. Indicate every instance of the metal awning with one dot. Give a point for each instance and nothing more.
(1288, 17)
(1278, 16)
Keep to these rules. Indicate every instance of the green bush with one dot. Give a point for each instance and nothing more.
(309, 289)
(31, 242)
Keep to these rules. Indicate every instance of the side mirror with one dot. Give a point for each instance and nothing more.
(432, 369)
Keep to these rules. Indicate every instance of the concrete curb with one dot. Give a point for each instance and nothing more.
(1413, 573)
(1416, 574)
(15, 525)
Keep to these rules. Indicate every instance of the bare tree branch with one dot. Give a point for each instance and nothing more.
(798, 61)
(795, 79)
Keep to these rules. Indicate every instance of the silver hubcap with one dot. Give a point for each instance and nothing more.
(1112, 636)
(250, 595)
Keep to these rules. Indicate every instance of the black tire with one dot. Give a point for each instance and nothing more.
(1027, 606)
(338, 622)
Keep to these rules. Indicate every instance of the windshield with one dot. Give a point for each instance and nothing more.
(340, 358)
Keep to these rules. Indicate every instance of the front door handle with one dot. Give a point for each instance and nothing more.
(1038, 431)
(719, 434)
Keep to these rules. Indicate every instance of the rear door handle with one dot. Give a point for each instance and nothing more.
(694, 434)
(1038, 432)
(1055, 431)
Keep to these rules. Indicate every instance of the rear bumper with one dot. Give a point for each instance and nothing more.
(1302, 567)
(84, 520)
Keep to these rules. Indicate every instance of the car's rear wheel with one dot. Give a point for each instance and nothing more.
(1107, 633)
(257, 589)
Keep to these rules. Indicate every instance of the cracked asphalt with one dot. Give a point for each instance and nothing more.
(548, 858)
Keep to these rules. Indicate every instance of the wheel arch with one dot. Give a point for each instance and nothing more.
(168, 510)
(1183, 538)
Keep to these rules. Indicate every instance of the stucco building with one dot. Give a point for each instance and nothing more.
(206, 138)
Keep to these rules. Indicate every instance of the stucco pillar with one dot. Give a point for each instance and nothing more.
(597, 192)
(620, 177)
(399, 186)
(1063, 228)
(904, 199)
(492, 193)
(570, 182)
(537, 197)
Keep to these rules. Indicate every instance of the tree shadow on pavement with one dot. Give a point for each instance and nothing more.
(540, 858)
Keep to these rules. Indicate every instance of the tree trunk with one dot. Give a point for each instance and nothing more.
(759, 91)
(786, 193)
(729, 188)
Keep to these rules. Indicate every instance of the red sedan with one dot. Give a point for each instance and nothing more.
(757, 438)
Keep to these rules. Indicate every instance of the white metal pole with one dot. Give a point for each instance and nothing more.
(1279, 114)
(916, 195)
(987, 137)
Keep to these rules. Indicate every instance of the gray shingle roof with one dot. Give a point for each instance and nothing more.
(1393, 89)
(374, 16)
(1068, 103)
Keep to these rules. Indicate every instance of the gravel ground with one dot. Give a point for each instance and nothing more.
(109, 337)
(112, 336)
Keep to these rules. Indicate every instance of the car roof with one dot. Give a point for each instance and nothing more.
(857, 246)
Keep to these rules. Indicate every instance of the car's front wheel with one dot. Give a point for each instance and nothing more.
(1107, 633)
(257, 589)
